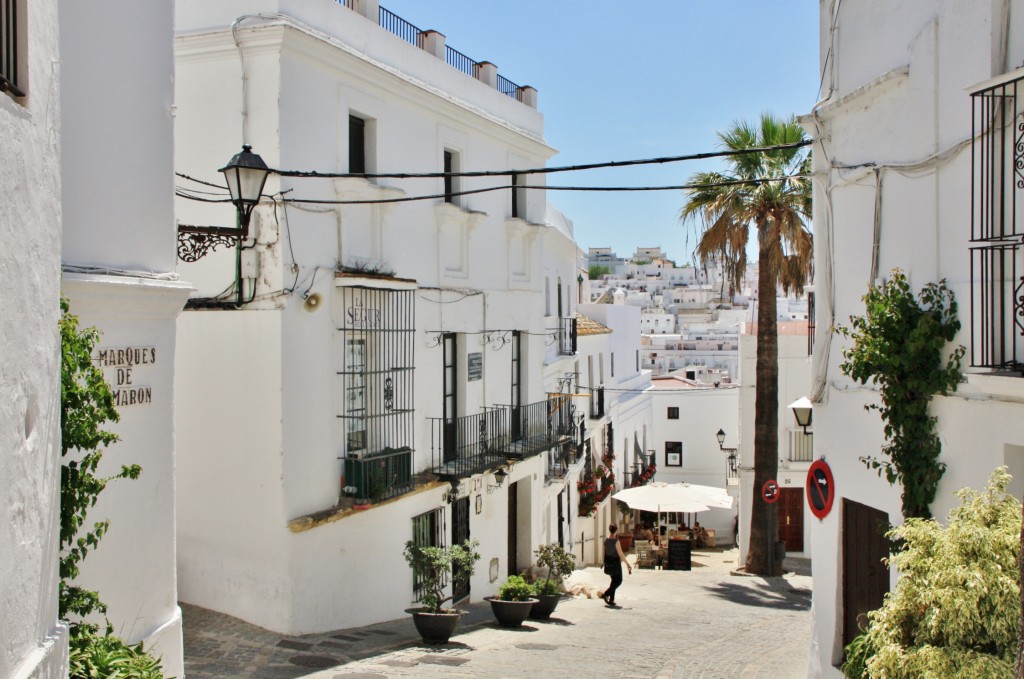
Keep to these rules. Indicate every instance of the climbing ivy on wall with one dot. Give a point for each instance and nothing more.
(899, 344)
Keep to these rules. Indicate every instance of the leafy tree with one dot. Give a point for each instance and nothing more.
(87, 405)
(434, 566)
(899, 344)
(560, 565)
(955, 608)
(597, 270)
(760, 192)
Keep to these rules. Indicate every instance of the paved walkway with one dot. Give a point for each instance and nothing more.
(669, 624)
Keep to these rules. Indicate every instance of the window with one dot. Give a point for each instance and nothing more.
(451, 184)
(611, 363)
(997, 227)
(518, 196)
(356, 145)
(361, 139)
(426, 532)
(673, 453)
(12, 30)
(673, 413)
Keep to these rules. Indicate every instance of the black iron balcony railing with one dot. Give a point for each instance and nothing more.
(507, 87)
(597, 403)
(460, 61)
(566, 336)
(464, 446)
(393, 23)
(413, 35)
(380, 476)
(997, 231)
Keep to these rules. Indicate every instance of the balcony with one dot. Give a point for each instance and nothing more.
(597, 403)
(463, 446)
(381, 476)
(566, 336)
(801, 446)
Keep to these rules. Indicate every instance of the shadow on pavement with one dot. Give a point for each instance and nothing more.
(769, 594)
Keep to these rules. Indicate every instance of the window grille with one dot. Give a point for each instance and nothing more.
(376, 381)
(10, 28)
(997, 270)
(426, 532)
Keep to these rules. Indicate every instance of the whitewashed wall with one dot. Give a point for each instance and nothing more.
(257, 421)
(897, 92)
(702, 412)
(32, 642)
(119, 257)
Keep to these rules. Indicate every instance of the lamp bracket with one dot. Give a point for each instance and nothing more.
(195, 242)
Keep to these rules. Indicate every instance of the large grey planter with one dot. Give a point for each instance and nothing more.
(511, 613)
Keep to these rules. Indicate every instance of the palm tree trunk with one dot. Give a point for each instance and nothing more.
(764, 522)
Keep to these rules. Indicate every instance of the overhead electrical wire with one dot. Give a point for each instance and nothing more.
(504, 187)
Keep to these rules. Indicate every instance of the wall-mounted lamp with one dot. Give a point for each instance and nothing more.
(803, 411)
(731, 452)
(499, 480)
(453, 493)
(245, 175)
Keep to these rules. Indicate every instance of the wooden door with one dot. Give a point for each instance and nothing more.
(791, 519)
(865, 576)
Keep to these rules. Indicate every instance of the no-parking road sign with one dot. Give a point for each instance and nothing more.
(770, 491)
(821, 488)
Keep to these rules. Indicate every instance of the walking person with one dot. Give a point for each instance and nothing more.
(613, 560)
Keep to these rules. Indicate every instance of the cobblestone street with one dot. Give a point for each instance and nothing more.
(702, 623)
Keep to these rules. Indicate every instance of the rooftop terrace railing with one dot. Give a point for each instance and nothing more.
(393, 23)
(414, 35)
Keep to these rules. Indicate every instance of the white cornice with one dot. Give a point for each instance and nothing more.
(324, 49)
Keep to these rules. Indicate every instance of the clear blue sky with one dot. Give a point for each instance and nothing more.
(620, 80)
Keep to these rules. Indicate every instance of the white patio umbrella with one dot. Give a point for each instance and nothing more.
(674, 497)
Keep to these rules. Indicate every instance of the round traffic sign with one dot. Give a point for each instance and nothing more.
(821, 488)
(770, 491)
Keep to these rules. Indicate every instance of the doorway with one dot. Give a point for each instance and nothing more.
(865, 576)
(513, 528)
(460, 533)
(791, 519)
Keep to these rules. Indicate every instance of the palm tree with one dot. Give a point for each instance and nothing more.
(726, 206)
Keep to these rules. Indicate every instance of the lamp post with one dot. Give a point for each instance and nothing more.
(245, 175)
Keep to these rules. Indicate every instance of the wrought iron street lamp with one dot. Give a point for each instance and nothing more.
(245, 175)
(803, 411)
(732, 458)
(499, 480)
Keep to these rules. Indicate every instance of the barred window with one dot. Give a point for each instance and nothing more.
(12, 45)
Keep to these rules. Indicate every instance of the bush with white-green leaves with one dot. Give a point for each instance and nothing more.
(956, 606)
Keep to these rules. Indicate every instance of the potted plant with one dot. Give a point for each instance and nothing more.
(625, 536)
(434, 566)
(514, 601)
(560, 564)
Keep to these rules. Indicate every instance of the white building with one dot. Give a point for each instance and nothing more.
(370, 366)
(914, 128)
(687, 417)
(33, 643)
(119, 259)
